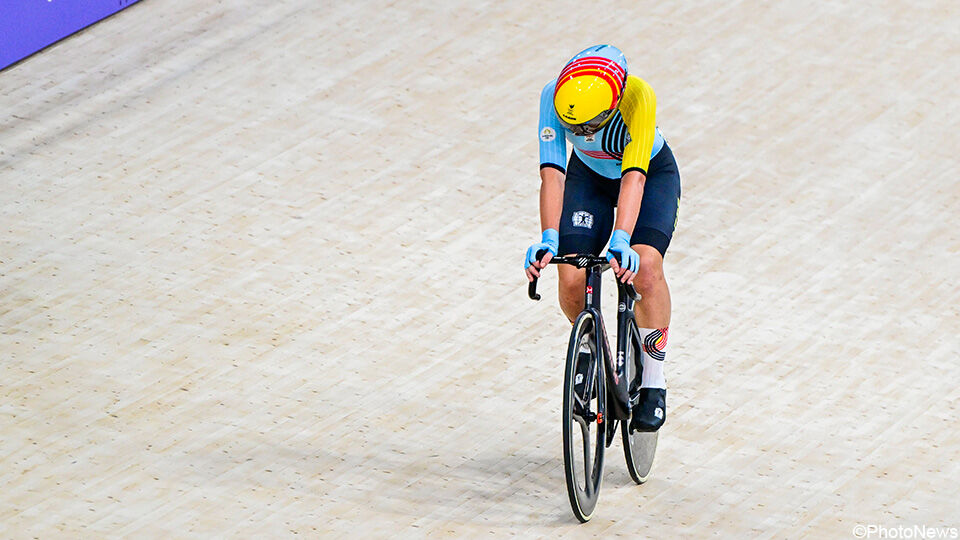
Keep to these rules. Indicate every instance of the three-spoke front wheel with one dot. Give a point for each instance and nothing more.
(584, 417)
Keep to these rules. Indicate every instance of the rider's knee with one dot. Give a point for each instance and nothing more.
(650, 272)
(570, 287)
(571, 284)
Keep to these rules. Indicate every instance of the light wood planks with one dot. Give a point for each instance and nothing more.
(197, 337)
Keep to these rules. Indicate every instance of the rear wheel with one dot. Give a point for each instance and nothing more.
(638, 447)
(584, 419)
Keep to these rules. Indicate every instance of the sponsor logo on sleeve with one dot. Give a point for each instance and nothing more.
(547, 134)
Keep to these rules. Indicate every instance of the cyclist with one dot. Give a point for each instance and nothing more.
(620, 159)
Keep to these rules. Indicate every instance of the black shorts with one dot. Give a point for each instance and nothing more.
(589, 200)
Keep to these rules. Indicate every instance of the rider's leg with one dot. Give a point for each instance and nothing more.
(653, 309)
(653, 314)
(653, 319)
(650, 239)
(572, 283)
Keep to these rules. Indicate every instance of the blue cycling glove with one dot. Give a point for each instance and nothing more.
(620, 245)
(550, 241)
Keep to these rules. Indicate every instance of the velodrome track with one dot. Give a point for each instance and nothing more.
(260, 272)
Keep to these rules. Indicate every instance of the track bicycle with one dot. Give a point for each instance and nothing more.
(608, 388)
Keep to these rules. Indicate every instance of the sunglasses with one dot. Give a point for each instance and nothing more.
(590, 126)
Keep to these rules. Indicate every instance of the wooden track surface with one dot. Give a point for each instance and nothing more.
(260, 272)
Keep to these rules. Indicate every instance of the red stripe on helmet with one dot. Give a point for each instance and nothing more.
(614, 83)
(606, 69)
(597, 61)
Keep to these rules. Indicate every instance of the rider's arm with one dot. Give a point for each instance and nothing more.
(628, 204)
(551, 198)
(553, 156)
(639, 110)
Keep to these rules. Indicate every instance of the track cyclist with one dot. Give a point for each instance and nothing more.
(620, 160)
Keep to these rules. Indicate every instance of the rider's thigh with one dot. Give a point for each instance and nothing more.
(650, 271)
(659, 208)
(572, 279)
(572, 282)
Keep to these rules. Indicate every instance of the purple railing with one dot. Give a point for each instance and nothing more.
(26, 26)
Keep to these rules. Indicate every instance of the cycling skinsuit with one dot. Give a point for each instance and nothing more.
(629, 141)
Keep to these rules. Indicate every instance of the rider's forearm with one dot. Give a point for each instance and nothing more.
(551, 198)
(628, 205)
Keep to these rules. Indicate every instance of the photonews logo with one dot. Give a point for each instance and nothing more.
(922, 532)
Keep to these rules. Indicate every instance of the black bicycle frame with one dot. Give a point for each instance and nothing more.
(595, 266)
(627, 331)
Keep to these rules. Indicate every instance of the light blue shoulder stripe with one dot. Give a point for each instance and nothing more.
(553, 142)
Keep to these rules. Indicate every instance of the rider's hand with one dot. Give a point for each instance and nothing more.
(549, 242)
(629, 260)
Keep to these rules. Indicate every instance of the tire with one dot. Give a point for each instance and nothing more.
(583, 436)
(639, 447)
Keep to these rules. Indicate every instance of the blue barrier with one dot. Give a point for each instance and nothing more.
(26, 26)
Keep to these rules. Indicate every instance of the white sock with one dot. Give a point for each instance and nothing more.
(654, 353)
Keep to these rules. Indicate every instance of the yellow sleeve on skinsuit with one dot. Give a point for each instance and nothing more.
(639, 110)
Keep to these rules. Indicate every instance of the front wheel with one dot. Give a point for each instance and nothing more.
(584, 417)
(638, 447)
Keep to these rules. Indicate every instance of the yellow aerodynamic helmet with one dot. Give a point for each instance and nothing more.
(589, 89)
